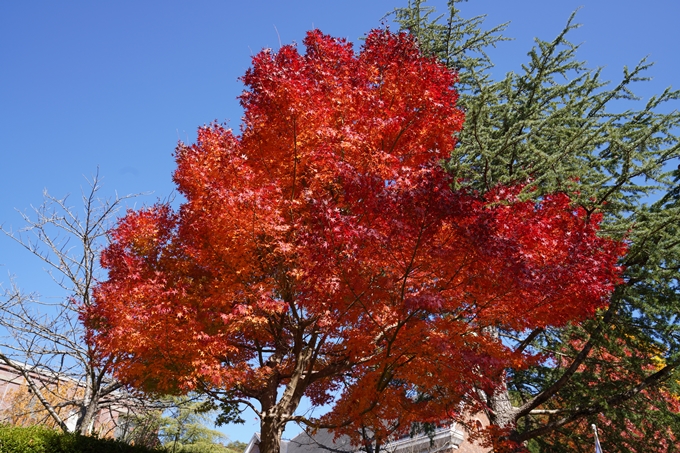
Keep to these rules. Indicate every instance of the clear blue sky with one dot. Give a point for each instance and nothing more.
(115, 85)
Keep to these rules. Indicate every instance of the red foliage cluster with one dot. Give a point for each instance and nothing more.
(324, 248)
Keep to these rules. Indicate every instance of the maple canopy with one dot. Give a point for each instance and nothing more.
(323, 253)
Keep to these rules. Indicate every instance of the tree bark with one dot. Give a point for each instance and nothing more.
(503, 415)
(88, 412)
(270, 435)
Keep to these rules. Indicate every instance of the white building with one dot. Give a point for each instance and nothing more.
(452, 439)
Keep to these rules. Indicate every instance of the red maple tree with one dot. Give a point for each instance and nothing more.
(323, 253)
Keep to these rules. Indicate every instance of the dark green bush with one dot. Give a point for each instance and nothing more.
(37, 439)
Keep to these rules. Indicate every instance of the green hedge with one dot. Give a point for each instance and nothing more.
(37, 439)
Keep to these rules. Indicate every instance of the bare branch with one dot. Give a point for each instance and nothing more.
(44, 342)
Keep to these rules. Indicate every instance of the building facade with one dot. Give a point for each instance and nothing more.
(18, 405)
(450, 439)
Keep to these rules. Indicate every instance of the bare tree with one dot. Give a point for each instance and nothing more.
(45, 341)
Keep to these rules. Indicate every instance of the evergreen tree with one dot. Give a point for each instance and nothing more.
(236, 446)
(557, 124)
(181, 426)
(184, 428)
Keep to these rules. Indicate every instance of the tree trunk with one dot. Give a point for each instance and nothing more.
(275, 415)
(270, 435)
(86, 417)
(503, 415)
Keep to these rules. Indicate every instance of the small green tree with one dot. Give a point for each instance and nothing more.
(181, 426)
(140, 429)
(184, 428)
(556, 123)
(237, 446)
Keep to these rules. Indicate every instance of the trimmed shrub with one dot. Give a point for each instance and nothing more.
(37, 439)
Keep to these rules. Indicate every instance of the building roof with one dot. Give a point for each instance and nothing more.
(324, 441)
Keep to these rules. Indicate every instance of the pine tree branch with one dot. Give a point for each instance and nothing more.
(549, 392)
(580, 412)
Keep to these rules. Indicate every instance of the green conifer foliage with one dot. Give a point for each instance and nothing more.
(181, 426)
(184, 428)
(556, 124)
